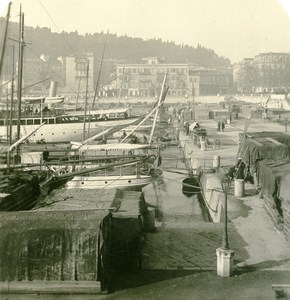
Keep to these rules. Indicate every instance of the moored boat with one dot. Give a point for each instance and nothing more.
(21, 189)
(191, 185)
(113, 181)
(134, 166)
(63, 126)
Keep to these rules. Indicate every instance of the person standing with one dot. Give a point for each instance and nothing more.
(240, 169)
(45, 155)
(223, 125)
(219, 126)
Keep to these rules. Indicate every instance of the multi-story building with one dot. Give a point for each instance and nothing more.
(244, 75)
(145, 79)
(265, 73)
(76, 73)
(273, 72)
(210, 81)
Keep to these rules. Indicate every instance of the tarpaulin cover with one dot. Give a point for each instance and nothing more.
(267, 156)
(274, 180)
(119, 247)
(281, 137)
(119, 240)
(267, 149)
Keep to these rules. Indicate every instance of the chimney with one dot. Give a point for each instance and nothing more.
(52, 89)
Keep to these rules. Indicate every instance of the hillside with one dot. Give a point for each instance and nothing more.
(44, 41)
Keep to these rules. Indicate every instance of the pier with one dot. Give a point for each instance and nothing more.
(58, 243)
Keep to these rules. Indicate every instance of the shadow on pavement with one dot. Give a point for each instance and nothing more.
(258, 267)
(125, 280)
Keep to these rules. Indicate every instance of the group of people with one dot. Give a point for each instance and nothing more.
(238, 171)
(133, 139)
(221, 125)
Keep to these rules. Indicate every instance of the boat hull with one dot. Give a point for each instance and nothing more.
(109, 182)
(191, 186)
(65, 132)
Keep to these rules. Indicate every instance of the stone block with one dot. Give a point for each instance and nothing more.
(225, 259)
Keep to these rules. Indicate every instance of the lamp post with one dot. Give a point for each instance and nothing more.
(224, 253)
(226, 185)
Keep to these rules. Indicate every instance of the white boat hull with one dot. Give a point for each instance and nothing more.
(109, 182)
(65, 132)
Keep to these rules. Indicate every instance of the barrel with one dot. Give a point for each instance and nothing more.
(202, 145)
(239, 187)
(216, 161)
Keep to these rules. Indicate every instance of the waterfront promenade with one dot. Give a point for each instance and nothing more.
(180, 259)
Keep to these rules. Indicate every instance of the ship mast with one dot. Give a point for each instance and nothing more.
(20, 69)
(99, 76)
(120, 91)
(11, 106)
(86, 103)
(5, 37)
(11, 96)
(160, 101)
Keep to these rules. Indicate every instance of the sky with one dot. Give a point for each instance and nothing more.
(235, 29)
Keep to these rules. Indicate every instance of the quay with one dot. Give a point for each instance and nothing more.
(178, 258)
(55, 248)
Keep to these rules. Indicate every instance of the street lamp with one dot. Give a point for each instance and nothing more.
(224, 253)
(226, 185)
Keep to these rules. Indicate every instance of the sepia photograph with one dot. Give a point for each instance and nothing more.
(144, 149)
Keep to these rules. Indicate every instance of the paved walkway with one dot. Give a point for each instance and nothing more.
(262, 253)
(192, 245)
(179, 258)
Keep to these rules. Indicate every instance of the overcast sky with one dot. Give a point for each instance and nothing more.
(232, 28)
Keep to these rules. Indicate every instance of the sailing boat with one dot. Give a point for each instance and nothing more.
(19, 189)
(130, 173)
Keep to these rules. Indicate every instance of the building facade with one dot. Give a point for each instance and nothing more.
(244, 76)
(145, 79)
(76, 73)
(210, 81)
(265, 73)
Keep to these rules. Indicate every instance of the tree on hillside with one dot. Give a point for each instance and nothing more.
(43, 40)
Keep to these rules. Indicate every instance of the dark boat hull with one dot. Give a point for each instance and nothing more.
(190, 185)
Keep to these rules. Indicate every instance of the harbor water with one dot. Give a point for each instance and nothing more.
(166, 192)
(173, 205)
(62, 246)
